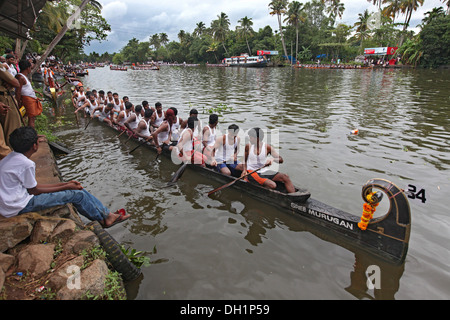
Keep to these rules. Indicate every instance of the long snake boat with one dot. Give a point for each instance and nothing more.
(386, 236)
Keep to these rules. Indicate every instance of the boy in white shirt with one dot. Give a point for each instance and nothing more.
(20, 192)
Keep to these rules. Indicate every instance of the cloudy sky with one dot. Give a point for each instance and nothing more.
(143, 18)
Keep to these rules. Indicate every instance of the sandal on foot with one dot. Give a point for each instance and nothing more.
(121, 218)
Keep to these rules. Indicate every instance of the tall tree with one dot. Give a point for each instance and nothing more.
(278, 7)
(294, 17)
(436, 41)
(214, 47)
(245, 30)
(362, 26)
(392, 9)
(155, 41)
(220, 28)
(377, 3)
(199, 29)
(447, 3)
(75, 15)
(182, 36)
(163, 38)
(408, 7)
(433, 14)
(335, 8)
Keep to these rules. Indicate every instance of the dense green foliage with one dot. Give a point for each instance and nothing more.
(431, 47)
(435, 37)
(90, 25)
(306, 30)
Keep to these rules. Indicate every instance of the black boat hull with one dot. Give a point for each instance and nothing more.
(387, 236)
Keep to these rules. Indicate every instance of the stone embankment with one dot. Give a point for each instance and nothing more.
(51, 254)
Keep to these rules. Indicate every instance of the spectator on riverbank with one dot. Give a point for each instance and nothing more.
(3, 62)
(4, 149)
(20, 192)
(26, 95)
(12, 119)
(11, 62)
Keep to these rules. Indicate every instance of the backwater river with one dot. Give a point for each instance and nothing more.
(232, 246)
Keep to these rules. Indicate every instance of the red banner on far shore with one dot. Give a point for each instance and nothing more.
(391, 50)
(266, 53)
(380, 51)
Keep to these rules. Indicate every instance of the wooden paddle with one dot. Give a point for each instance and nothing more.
(125, 142)
(121, 133)
(232, 182)
(76, 119)
(89, 121)
(139, 145)
(177, 175)
(118, 135)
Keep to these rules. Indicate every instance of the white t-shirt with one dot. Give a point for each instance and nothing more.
(17, 174)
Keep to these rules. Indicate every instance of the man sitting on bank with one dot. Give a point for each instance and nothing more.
(20, 192)
(256, 157)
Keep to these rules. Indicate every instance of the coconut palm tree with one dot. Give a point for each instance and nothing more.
(155, 41)
(408, 7)
(53, 17)
(447, 3)
(220, 29)
(411, 51)
(182, 36)
(433, 14)
(245, 29)
(163, 38)
(278, 7)
(201, 27)
(362, 25)
(64, 29)
(392, 9)
(214, 47)
(334, 8)
(294, 17)
(377, 3)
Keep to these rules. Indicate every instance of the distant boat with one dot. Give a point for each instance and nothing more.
(216, 65)
(119, 68)
(182, 64)
(145, 67)
(246, 61)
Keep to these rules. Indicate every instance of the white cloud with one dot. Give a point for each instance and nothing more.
(114, 10)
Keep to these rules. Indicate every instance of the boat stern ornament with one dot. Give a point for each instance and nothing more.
(386, 236)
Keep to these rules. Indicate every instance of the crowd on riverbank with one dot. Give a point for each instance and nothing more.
(20, 103)
(41, 234)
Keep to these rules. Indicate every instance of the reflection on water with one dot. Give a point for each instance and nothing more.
(230, 246)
